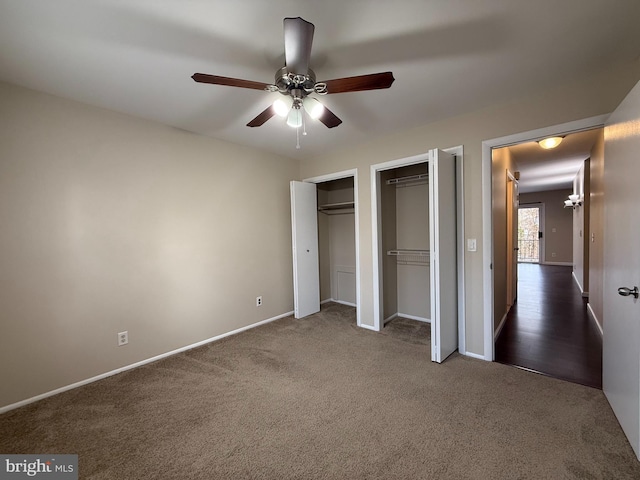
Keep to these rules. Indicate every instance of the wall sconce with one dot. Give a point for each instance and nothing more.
(573, 201)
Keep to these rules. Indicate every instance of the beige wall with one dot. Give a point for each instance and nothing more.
(587, 97)
(557, 218)
(412, 228)
(112, 223)
(502, 164)
(596, 228)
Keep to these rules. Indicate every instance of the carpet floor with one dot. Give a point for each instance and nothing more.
(320, 398)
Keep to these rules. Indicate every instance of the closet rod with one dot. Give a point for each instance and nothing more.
(410, 178)
(403, 252)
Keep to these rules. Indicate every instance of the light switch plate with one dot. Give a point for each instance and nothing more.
(471, 244)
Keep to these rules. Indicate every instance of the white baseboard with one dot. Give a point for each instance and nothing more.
(575, 279)
(414, 317)
(561, 264)
(406, 315)
(341, 302)
(102, 376)
(594, 318)
(474, 355)
(389, 318)
(500, 326)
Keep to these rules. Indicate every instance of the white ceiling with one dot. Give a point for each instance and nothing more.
(556, 168)
(448, 57)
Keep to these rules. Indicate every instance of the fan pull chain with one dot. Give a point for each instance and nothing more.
(298, 138)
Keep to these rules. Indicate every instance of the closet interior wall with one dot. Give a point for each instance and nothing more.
(405, 226)
(336, 241)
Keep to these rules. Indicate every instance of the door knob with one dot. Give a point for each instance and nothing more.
(626, 291)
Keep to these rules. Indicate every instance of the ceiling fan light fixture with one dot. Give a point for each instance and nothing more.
(313, 107)
(282, 106)
(294, 119)
(550, 142)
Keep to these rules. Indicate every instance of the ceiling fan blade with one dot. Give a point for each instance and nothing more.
(231, 82)
(373, 81)
(262, 117)
(329, 118)
(298, 37)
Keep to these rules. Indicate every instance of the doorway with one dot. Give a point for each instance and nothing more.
(530, 234)
(490, 284)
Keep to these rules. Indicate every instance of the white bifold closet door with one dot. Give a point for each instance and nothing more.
(442, 230)
(304, 232)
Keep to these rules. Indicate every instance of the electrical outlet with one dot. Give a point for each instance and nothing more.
(123, 338)
(553, 254)
(259, 301)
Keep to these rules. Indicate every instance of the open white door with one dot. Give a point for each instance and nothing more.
(444, 283)
(621, 322)
(304, 232)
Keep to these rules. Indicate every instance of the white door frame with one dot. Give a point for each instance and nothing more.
(487, 219)
(338, 176)
(376, 225)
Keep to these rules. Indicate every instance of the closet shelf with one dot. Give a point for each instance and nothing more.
(410, 257)
(409, 180)
(336, 208)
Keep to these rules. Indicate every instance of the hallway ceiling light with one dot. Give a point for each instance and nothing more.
(550, 142)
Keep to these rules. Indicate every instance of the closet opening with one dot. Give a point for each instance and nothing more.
(404, 198)
(418, 237)
(325, 242)
(337, 241)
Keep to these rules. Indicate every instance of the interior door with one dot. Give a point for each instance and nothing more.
(304, 233)
(444, 287)
(512, 240)
(621, 322)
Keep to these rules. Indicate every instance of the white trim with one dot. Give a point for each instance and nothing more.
(356, 206)
(500, 326)
(341, 302)
(390, 317)
(473, 355)
(573, 274)
(561, 264)
(592, 314)
(414, 317)
(487, 252)
(102, 376)
(462, 300)
(487, 220)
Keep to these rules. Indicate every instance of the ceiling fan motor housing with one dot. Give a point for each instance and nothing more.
(286, 82)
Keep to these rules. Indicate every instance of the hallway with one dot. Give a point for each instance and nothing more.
(548, 330)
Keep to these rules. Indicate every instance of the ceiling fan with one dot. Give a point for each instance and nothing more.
(296, 81)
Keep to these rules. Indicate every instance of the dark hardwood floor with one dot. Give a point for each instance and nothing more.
(548, 330)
